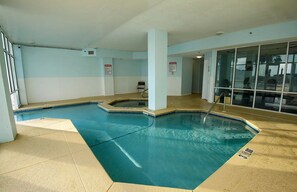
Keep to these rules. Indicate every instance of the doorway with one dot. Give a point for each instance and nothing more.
(197, 76)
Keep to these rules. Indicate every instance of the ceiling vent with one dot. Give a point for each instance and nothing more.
(88, 52)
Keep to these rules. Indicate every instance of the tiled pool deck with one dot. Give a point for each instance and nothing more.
(50, 155)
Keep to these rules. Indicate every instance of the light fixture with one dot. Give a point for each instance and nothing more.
(199, 56)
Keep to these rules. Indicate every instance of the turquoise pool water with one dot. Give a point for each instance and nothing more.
(173, 150)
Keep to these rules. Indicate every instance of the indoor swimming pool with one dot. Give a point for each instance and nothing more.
(175, 150)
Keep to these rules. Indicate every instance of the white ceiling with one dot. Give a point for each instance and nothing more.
(123, 24)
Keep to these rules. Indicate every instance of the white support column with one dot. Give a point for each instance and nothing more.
(209, 76)
(157, 69)
(7, 123)
(108, 84)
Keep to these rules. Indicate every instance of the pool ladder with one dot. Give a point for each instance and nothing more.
(224, 109)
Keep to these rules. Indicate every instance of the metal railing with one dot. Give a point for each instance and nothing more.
(217, 100)
(143, 92)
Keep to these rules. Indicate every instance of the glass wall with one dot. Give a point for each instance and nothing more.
(225, 62)
(10, 70)
(289, 102)
(246, 66)
(224, 75)
(272, 67)
(263, 76)
(245, 76)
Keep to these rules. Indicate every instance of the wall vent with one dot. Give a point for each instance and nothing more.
(88, 52)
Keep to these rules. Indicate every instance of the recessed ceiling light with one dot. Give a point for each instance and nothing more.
(199, 56)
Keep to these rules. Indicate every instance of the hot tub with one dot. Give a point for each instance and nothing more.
(130, 103)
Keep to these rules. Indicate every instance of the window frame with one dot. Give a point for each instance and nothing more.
(255, 89)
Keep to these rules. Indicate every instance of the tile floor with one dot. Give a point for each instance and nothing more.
(50, 155)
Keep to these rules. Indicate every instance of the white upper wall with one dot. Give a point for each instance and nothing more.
(269, 33)
(59, 74)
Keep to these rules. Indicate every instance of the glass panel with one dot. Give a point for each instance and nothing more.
(267, 100)
(10, 77)
(272, 66)
(14, 74)
(227, 93)
(291, 76)
(225, 63)
(246, 65)
(243, 98)
(10, 48)
(289, 103)
(3, 40)
(7, 70)
(6, 44)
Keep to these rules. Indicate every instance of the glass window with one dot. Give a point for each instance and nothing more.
(246, 65)
(267, 100)
(224, 72)
(6, 44)
(10, 75)
(10, 69)
(227, 93)
(7, 71)
(243, 98)
(14, 81)
(10, 48)
(291, 76)
(272, 67)
(289, 103)
(3, 42)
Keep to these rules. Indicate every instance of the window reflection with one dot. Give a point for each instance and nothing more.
(291, 75)
(243, 98)
(10, 69)
(3, 42)
(274, 70)
(289, 103)
(225, 62)
(246, 63)
(272, 67)
(267, 100)
(227, 94)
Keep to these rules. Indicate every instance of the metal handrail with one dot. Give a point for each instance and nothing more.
(222, 94)
(142, 93)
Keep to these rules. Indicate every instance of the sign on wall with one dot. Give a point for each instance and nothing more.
(108, 69)
(172, 66)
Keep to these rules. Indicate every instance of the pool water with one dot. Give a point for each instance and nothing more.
(130, 103)
(174, 150)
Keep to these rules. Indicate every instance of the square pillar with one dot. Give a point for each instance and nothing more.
(157, 69)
